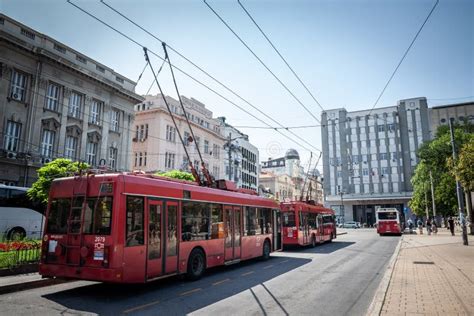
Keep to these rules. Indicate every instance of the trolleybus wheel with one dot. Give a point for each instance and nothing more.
(196, 264)
(313, 241)
(266, 250)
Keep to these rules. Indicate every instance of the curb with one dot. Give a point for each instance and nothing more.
(375, 307)
(11, 288)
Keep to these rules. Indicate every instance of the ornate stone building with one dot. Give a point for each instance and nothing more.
(56, 102)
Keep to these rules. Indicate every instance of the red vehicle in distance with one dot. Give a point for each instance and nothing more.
(389, 221)
(306, 223)
(135, 228)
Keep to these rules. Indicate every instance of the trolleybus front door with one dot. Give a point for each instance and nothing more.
(276, 230)
(155, 240)
(170, 264)
(162, 247)
(233, 224)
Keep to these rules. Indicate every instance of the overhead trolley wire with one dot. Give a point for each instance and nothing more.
(260, 60)
(403, 57)
(206, 73)
(279, 54)
(195, 80)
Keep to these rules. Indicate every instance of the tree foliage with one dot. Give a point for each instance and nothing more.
(463, 169)
(57, 168)
(177, 174)
(435, 158)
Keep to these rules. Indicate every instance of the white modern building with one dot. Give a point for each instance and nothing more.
(241, 161)
(369, 157)
(156, 145)
(56, 102)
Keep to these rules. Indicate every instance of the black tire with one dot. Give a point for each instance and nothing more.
(313, 241)
(16, 233)
(196, 264)
(266, 250)
(332, 237)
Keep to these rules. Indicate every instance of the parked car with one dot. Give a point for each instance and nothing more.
(18, 216)
(350, 225)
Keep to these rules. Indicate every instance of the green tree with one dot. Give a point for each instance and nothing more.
(463, 169)
(177, 174)
(435, 158)
(57, 168)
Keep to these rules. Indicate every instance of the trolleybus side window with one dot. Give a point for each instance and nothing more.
(265, 220)
(250, 221)
(98, 216)
(312, 220)
(195, 221)
(217, 221)
(58, 215)
(135, 219)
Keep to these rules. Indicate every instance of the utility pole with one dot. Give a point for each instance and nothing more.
(341, 192)
(459, 189)
(433, 198)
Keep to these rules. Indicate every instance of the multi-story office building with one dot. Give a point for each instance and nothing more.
(156, 145)
(241, 163)
(57, 102)
(369, 157)
(460, 112)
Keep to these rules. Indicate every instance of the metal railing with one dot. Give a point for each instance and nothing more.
(14, 254)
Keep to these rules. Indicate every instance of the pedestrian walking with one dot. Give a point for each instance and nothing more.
(420, 226)
(434, 227)
(451, 225)
(428, 226)
(410, 225)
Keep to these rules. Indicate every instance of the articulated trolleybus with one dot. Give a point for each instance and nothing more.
(134, 228)
(306, 223)
(389, 221)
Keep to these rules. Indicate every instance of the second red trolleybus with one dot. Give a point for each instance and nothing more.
(307, 223)
(132, 228)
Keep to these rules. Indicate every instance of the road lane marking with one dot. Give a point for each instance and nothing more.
(221, 281)
(284, 261)
(247, 273)
(191, 291)
(134, 309)
(269, 266)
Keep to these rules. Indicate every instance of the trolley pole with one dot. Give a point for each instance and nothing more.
(459, 190)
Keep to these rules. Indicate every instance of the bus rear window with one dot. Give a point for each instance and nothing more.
(58, 216)
(387, 215)
(289, 219)
(98, 216)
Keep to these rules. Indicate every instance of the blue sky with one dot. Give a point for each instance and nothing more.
(344, 51)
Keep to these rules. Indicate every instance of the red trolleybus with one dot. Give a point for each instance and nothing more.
(307, 224)
(131, 228)
(389, 221)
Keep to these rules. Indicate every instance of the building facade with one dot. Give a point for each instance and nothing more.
(291, 181)
(370, 156)
(460, 112)
(156, 145)
(241, 163)
(56, 102)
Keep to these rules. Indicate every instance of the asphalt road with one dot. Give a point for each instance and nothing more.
(338, 278)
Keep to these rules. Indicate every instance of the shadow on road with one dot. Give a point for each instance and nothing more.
(323, 249)
(174, 295)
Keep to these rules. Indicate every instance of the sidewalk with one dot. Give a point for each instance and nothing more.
(432, 275)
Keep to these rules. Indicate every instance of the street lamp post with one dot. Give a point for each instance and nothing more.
(459, 190)
(342, 206)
